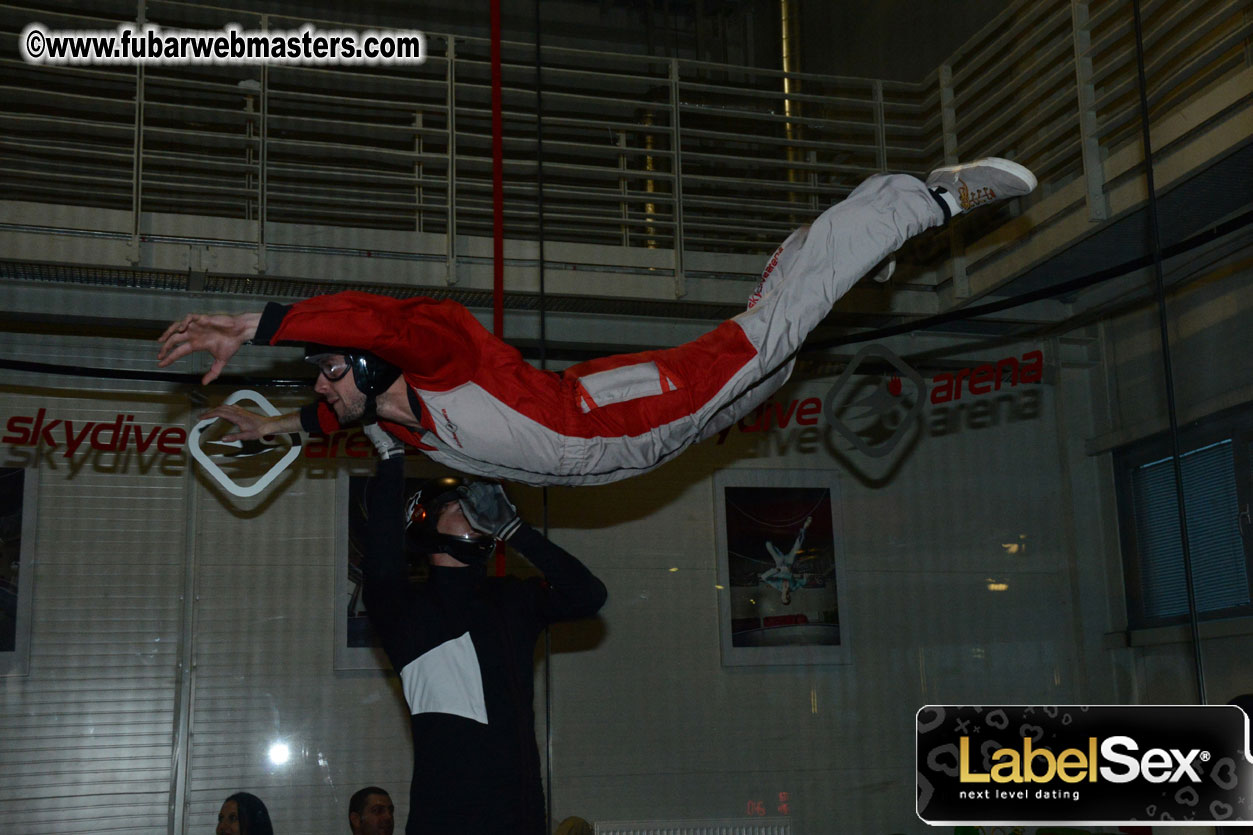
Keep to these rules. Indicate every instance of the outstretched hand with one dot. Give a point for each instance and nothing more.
(250, 426)
(221, 334)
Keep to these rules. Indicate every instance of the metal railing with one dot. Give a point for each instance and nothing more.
(639, 151)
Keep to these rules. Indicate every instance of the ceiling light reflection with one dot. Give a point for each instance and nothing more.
(280, 753)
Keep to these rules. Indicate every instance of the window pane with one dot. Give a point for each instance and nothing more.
(1218, 564)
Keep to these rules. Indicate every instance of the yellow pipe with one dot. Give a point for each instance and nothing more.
(789, 20)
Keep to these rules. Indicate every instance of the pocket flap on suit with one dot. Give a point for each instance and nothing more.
(619, 385)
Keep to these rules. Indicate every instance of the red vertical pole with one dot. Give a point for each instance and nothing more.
(498, 210)
(498, 184)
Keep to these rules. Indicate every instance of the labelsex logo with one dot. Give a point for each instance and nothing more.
(1156, 765)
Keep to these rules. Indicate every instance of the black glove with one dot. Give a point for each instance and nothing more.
(488, 509)
(385, 442)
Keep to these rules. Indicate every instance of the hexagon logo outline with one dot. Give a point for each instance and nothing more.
(216, 472)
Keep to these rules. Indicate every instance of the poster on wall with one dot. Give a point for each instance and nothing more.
(356, 645)
(17, 569)
(779, 568)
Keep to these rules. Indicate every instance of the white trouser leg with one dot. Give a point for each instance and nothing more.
(816, 266)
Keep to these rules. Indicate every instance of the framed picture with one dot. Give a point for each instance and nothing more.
(17, 567)
(779, 568)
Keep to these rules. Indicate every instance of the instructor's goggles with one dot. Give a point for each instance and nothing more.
(469, 549)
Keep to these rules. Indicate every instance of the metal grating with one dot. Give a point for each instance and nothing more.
(271, 287)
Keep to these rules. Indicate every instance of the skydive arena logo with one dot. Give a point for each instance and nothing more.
(874, 413)
(1084, 765)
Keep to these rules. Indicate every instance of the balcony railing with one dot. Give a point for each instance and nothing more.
(637, 151)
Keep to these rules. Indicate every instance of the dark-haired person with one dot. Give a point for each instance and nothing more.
(435, 378)
(244, 814)
(463, 644)
(371, 812)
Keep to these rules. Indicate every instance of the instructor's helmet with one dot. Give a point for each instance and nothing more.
(422, 516)
(372, 374)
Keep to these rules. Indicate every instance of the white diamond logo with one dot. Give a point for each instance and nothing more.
(211, 467)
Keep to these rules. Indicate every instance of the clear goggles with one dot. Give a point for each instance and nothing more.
(331, 366)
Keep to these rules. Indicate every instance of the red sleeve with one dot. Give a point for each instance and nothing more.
(327, 420)
(435, 343)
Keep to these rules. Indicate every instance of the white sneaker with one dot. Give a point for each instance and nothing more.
(981, 182)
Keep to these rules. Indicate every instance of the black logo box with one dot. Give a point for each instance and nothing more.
(1156, 750)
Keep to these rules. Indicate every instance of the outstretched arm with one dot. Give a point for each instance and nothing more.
(251, 426)
(800, 537)
(405, 619)
(389, 599)
(384, 566)
(435, 342)
(780, 559)
(221, 334)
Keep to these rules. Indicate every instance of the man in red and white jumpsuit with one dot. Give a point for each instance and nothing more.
(470, 401)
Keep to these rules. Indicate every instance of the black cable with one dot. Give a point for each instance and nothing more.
(1073, 285)
(1160, 287)
(543, 364)
(539, 194)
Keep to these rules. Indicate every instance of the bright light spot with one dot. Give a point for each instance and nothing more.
(673, 570)
(279, 753)
(998, 586)
(719, 586)
(1016, 548)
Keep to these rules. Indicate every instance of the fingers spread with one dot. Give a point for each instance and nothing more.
(213, 372)
(225, 412)
(173, 354)
(180, 325)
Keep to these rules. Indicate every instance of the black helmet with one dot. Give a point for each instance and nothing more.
(422, 516)
(372, 374)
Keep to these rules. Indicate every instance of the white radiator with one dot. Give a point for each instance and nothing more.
(725, 826)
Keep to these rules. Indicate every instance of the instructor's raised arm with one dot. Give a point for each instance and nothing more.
(221, 334)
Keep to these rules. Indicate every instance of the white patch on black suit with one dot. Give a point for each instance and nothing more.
(446, 679)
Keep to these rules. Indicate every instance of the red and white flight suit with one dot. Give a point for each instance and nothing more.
(484, 410)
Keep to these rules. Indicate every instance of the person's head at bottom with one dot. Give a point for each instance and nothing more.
(244, 814)
(370, 812)
(574, 826)
(438, 525)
